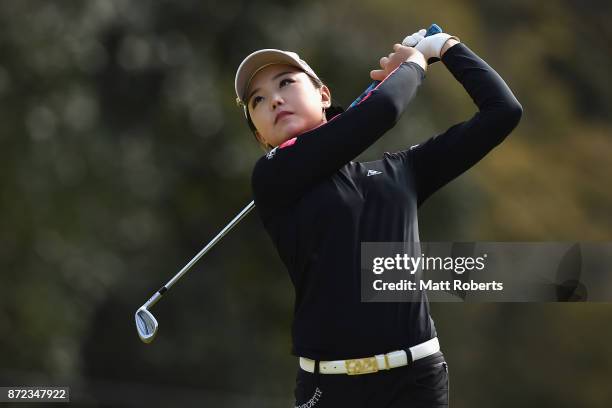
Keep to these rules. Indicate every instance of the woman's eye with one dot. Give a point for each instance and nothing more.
(255, 101)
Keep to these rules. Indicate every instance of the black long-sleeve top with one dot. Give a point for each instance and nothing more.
(318, 206)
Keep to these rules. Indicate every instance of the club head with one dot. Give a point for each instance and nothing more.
(146, 325)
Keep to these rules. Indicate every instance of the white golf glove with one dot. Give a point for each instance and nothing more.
(432, 45)
(414, 38)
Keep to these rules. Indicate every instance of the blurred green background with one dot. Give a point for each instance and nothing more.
(123, 153)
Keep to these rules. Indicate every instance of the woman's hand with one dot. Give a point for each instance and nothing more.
(434, 46)
(401, 54)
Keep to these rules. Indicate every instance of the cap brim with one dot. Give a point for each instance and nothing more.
(257, 61)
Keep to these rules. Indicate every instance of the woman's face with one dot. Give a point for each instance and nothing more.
(283, 103)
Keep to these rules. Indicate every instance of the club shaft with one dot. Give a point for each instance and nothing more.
(433, 29)
(200, 254)
(212, 243)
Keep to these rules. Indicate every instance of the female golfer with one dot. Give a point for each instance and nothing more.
(318, 206)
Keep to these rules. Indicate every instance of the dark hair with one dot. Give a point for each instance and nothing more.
(330, 112)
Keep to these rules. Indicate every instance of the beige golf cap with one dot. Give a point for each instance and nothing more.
(259, 60)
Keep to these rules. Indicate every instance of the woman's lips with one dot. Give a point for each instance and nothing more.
(281, 115)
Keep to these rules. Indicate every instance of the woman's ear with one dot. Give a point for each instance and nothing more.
(325, 97)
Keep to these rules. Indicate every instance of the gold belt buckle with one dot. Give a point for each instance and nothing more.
(361, 366)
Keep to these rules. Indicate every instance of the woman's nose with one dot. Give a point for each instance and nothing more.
(276, 101)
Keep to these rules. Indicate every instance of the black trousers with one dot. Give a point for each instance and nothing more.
(424, 383)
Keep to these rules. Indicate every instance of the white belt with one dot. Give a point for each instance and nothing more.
(373, 364)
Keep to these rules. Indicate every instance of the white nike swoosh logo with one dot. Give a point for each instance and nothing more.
(373, 173)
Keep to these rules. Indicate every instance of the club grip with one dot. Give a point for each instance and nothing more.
(433, 29)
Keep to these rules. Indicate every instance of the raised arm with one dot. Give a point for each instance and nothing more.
(445, 156)
(285, 174)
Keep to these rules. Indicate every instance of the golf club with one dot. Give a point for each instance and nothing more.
(146, 324)
(433, 29)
